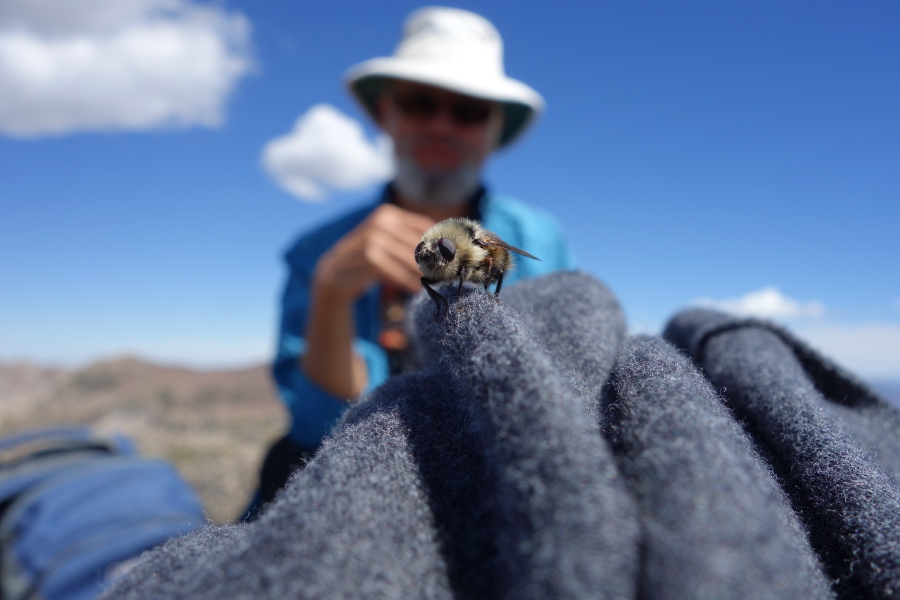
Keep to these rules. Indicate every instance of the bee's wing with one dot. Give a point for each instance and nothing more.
(489, 240)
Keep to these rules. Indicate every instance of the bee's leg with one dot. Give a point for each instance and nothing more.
(439, 300)
(499, 285)
(462, 277)
(490, 268)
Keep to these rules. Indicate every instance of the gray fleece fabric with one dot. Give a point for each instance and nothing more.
(540, 452)
(831, 441)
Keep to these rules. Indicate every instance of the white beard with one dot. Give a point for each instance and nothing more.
(435, 188)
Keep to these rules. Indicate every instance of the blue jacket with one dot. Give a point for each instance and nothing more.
(313, 410)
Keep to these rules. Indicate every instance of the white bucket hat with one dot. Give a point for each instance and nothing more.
(452, 49)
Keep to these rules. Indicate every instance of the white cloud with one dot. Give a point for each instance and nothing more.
(766, 303)
(100, 65)
(327, 150)
(870, 350)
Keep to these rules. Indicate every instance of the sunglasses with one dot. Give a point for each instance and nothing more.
(422, 106)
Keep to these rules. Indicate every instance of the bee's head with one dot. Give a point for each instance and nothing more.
(438, 252)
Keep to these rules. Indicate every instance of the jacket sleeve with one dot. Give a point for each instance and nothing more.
(313, 410)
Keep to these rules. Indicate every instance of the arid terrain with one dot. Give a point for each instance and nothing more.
(214, 426)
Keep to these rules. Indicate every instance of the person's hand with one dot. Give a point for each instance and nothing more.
(380, 249)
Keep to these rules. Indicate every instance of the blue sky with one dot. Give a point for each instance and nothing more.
(746, 155)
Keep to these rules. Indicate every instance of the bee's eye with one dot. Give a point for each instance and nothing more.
(446, 248)
(419, 248)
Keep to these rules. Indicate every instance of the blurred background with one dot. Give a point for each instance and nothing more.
(157, 157)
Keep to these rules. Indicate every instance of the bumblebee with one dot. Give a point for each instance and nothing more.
(461, 249)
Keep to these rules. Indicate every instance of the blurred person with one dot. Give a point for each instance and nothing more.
(445, 101)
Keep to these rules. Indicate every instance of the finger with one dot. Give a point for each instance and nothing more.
(400, 221)
(381, 248)
(395, 263)
(399, 245)
(398, 273)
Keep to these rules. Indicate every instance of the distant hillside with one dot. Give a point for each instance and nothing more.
(214, 426)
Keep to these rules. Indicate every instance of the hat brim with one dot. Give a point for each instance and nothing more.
(521, 104)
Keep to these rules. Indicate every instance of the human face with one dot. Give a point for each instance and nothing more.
(441, 139)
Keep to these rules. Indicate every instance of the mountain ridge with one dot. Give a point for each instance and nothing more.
(214, 426)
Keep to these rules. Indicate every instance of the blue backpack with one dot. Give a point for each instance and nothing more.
(75, 506)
